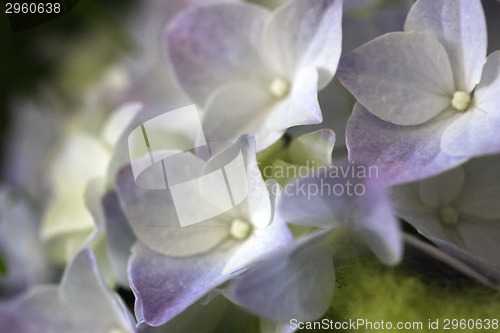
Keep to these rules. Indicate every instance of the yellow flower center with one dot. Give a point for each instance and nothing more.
(279, 87)
(448, 215)
(240, 229)
(460, 100)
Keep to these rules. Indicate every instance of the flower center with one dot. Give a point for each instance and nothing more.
(460, 100)
(279, 87)
(448, 215)
(240, 229)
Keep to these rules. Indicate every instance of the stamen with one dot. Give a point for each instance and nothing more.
(460, 100)
(448, 215)
(279, 88)
(240, 229)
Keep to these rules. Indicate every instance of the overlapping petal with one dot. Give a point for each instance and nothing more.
(305, 33)
(402, 78)
(402, 154)
(460, 27)
(213, 45)
(296, 283)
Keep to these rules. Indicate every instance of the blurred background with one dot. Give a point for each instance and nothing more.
(50, 57)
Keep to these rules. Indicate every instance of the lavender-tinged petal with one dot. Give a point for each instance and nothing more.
(301, 281)
(209, 46)
(375, 221)
(119, 237)
(460, 27)
(401, 153)
(306, 33)
(336, 196)
(402, 78)
(165, 286)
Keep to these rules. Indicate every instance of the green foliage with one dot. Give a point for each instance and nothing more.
(367, 289)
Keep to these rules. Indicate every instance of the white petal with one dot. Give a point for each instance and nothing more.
(474, 133)
(403, 78)
(306, 33)
(487, 93)
(242, 108)
(152, 215)
(460, 27)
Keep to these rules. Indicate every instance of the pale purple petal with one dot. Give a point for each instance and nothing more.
(119, 237)
(297, 283)
(165, 286)
(460, 27)
(210, 46)
(402, 78)
(402, 153)
(345, 195)
(306, 33)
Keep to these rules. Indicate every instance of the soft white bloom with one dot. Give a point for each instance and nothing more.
(431, 94)
(255, 71)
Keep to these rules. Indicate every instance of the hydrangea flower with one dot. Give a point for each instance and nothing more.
(301, 277)
(428, 95)
(80, 303)
(254, 71)
(173, 266)
(457, 209)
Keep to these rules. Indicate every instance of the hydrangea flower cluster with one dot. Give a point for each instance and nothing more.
(189, 191)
